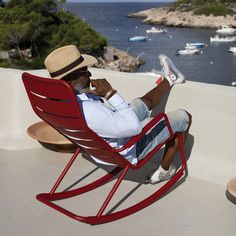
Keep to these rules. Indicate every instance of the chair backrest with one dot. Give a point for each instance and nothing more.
(55, 102)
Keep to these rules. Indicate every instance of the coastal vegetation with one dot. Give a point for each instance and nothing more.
(207, 14)
(205, 7)
(30, 29)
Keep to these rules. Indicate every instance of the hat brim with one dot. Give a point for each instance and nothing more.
(88, 61)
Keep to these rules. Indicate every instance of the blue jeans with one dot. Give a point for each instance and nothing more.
(179, 121)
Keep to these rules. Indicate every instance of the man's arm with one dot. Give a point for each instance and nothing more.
(102, 88)
(118, 122)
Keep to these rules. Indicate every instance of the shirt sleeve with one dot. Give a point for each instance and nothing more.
(117, 121)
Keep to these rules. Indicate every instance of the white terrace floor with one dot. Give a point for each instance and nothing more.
(195, 207)
(199, 205)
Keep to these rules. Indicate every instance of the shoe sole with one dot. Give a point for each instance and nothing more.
(167, 62)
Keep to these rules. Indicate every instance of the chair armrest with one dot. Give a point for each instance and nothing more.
(145, 129)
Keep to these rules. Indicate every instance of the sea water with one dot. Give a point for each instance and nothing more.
(214, 64)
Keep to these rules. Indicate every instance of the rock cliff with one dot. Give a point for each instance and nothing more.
(118, 60)
(183, 19)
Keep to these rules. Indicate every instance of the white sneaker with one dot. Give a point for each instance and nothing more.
(160, 175)
(171, 73)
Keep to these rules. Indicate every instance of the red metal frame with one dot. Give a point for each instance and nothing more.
(55, 102)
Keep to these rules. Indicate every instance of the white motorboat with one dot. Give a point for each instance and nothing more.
(225, 30)
(137, 39)
(217, 38)
(155, 30)
(187, 51)
(232, 49)
(196, 45)
(191, 47)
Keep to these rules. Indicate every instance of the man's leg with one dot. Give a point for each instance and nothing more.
(166, 170)
(170, 76)
(172, 148)
(153, 97)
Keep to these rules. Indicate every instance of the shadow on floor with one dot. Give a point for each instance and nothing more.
(139, 176)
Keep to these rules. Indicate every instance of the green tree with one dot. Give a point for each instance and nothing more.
(42, 26)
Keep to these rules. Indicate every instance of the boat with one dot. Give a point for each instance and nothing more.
(217, 38)
(155, 30)
(187, 51)
(225, 30)
(188, 46)
(196, 45)
(137, 39)
(232, 49)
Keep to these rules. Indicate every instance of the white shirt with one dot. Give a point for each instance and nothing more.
(115, 121)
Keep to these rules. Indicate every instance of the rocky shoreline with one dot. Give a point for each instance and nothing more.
(164, 16)
(118, 60)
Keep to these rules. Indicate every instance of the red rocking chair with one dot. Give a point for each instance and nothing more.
(55, 102)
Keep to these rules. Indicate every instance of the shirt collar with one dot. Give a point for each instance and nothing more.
(87, 97)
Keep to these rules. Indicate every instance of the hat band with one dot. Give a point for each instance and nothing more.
(67, 68)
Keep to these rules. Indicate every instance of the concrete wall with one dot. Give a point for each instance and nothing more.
(210, 148)
(16, 113)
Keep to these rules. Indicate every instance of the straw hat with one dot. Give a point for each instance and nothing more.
(64, 60)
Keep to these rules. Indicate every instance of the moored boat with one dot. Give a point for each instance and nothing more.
(190, 47)
(137, 39)
(217, 38)
(225, 30)
(196, 45)
(187, 51)
(155, 30)
(232, 49)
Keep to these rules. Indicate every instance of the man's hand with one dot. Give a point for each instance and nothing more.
(102, 87)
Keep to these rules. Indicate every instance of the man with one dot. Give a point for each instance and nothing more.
(116, 120)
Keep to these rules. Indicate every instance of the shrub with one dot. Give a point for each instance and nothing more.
(214, 9)
(205, 7)
(43, 26)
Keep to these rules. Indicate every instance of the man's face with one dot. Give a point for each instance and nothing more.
(81, 85)
(79, 80)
